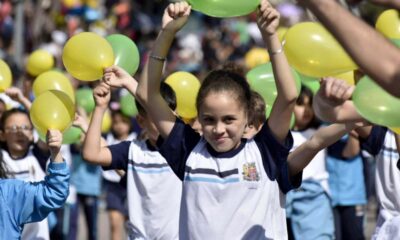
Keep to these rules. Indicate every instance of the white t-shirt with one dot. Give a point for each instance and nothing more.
(28, 169)
(237, 194)
(154, 192)
(316, 169)
(112, 175)
(382, 144)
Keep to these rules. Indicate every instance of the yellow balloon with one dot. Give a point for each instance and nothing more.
(395, 130)
(5, 76)
(106, 124)
(39, 61)
(52, 110)
(281, 33)
(255, 57)
(388, 23)
(347, 76)
(85, 56)
(186, 87)
(313, 51)
(53, 80)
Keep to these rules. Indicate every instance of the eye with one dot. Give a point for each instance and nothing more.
(208, 120)
(229, 119)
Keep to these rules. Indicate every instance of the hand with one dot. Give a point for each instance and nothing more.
(335, 91)
(81, 120)
(15, 94)
(267, 18)
(117, 77)
(54, 141)
(175, 16)
(102, 95)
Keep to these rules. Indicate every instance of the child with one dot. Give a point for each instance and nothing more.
(379, 141)
(121, 130)
(23, 159)
(22, 202)
(154, 192)
(232, 187)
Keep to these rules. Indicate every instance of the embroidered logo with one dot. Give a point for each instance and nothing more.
(250, 172)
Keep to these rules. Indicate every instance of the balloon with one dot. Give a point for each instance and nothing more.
(313, 51)
(5, 76)
(128, 106)
(395, 130)
(84, 99)
(186, 87)
(312, 85)
(106, 123)
(261, 80)
(225, 8)
(281, 33)
(52, 110)
(70, 136)
(388, 23)
(125, 51)
(39, 61)
(53, 80)
(85, 56)
(347, 76)
(375, 104)
(396, 42)
(255, 57)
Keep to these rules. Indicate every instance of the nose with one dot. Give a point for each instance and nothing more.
(219, 128)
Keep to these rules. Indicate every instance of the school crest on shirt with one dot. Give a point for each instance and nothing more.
(250, 172)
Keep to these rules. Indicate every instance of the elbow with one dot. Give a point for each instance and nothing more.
(88, 156)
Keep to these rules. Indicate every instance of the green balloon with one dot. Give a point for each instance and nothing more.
(375, 104)
(128, 106)
(70, 136)
(261, 80)
(396, 42)
(84, 99)
(313, 86)
(225, 8)
(125, 51)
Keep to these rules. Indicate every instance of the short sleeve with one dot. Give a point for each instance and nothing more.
(119, 156)
(373, 144)
(274, 155)
(177, 147)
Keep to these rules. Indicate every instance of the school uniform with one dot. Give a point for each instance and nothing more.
(22, 202)
(154, 192)
(29, 168)
(309, 206)
(382, 144)
(237, 194)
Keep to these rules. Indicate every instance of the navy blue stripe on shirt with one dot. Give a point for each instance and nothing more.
(373, 144)
(208, 171)
(148, 165)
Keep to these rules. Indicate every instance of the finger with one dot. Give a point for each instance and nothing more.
(188, 10)
(326, 87)
(348, 93)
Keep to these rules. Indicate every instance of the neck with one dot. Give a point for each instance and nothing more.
(15, 154)
(122, 137)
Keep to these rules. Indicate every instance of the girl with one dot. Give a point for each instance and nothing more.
(309, 207)
(22, 202)
(232, 188)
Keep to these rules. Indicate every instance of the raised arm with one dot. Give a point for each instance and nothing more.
(322, 138)
(279, 120)
(37, 200)
(148, 92)
(374, 54)
(16, 94)
(93, 150)
(332, 104)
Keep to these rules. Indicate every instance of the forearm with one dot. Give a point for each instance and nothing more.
(361, 42)
(324, 137)
(26, 103)
(92, 144)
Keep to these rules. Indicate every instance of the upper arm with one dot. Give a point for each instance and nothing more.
(279, 120)
(119, 156)
(103, 157)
